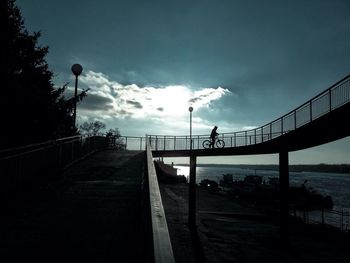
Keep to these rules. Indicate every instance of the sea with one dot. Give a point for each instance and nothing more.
(332, 184)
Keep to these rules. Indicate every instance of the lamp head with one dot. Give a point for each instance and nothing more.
(77, 69)
(190, 109)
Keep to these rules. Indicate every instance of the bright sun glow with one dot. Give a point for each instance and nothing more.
(124, 101)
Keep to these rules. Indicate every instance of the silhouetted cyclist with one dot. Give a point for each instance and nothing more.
(213, 137)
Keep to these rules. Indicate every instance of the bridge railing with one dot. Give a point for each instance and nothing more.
(132, 143)
(332, 98)
(36, 165)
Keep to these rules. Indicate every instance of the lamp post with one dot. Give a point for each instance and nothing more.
(192, 183)
(190, 109)
(76, 69)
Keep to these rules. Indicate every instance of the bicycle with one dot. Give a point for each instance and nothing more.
(218, 143)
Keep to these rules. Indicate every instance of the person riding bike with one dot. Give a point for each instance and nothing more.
(213, 135)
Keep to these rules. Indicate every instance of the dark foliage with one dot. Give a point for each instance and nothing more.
(94, 127)
(31, 109)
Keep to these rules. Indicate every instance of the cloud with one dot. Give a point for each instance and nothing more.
(205, 96)
(164, 107)
(96, 102)
(131, 100)
(136, 104)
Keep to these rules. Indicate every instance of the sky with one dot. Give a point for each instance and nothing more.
(239, 63)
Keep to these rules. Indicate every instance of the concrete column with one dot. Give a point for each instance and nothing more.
(284, 197)
(192, 193)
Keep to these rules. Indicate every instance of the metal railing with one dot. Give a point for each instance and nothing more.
(131, 143)
(336, 218)
(161, 244)
(37, 165)
(332, 98)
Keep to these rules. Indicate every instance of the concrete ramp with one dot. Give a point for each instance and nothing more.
(94, 215)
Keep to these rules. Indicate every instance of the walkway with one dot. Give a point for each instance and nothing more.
(94, 215)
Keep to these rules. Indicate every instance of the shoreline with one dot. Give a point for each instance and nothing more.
(296, 168)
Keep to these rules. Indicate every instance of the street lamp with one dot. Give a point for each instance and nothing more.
(192, 183)
(76, 69)
(190, 109)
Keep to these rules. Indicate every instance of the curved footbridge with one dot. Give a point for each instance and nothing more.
(322, 119)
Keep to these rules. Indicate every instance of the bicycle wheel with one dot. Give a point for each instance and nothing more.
(220, 144)
(206, 144)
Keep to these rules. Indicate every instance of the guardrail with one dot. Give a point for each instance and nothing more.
(162, 249)
(332, 98)
(131, 143)
(34, 166)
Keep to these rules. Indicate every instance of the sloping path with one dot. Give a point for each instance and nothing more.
(94, 215)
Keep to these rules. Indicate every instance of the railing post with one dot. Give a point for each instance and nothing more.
(282, 126)
(174, 142)
(295, 119)
(186, 143)
(141, 144)
(262, 134)
(310, 111)
(156, 143)
(164, 143)
(235, 139)
(245, 137)
(270, 131)
(330, 99)
(231, 141)
(254, 136)
(198, 142)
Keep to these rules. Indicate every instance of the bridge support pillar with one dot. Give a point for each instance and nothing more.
(284, 197)
(192, 193)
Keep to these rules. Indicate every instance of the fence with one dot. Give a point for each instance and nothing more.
(332, 98)
(336, 218)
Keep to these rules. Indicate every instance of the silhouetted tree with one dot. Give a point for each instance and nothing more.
(94, 127)
(115, 139)
(31, 109)
(113, 132)
(62, 110)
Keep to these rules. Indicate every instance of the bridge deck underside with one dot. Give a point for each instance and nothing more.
(325, 129)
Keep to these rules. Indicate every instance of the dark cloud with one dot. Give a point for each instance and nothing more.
(199, 98)
(96, 102)
(136, 104)
(124, 113)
